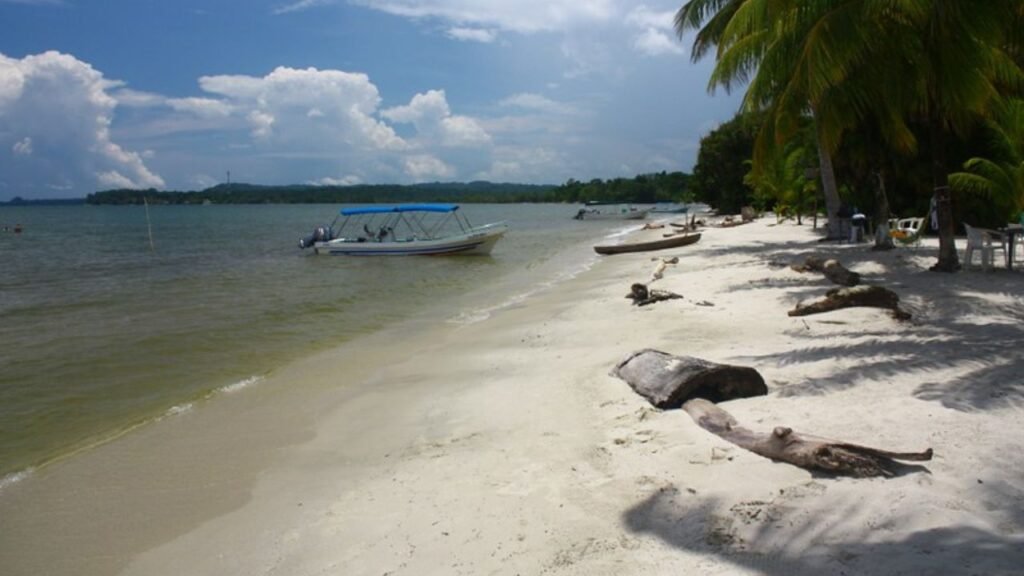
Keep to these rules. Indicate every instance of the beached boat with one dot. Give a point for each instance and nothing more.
(401, 230)
(670, 242)
(670, 209)
(610, 211)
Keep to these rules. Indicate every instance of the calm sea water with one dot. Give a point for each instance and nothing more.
(99, 333)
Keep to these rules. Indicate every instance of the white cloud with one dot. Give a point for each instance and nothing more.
(23, 147)
(59, 109)
(199, 107)
(472, 35)
(426, 167)
(350, 180)
(202, 107)
(644, 17)
(308, 107)
(430, 114)
(656, 43)
(301, 5)
(114, 179)
(531, 101)
(524, 16)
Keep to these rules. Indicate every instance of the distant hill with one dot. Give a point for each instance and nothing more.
(19, 201)
(240, 193)
(642, 189)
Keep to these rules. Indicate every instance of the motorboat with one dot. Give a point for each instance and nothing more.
(670, 209)
(402, 230)
(610, 211)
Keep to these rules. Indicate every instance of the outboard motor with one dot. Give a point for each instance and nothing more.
(320, 234)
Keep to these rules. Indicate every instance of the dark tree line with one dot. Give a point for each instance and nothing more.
(647, 188)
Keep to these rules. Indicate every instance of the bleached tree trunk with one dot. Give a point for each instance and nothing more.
(882, 239)
(828, 187)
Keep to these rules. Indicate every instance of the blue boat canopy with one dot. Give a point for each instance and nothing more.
(399, 208)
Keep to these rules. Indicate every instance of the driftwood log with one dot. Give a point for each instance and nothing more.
(659, 270)
(831, 268)
(642, 296)
(666, 381)
(870, 296)
(812, 453)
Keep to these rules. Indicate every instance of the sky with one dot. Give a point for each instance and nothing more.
(177, 94)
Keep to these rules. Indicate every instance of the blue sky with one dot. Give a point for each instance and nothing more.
(173, 95)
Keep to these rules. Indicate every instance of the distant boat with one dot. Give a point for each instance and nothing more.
(403, 230)
(670, 209)
(670, 242)
(610, 211)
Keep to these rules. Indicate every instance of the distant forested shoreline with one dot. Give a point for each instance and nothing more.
(647, 188)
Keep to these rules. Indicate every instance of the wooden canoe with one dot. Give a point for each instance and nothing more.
(671, 242)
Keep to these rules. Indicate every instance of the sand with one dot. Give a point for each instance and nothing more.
(505, 447)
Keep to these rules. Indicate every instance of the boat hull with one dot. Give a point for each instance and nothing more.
(673, 242)
(626, 215)
(478, 241)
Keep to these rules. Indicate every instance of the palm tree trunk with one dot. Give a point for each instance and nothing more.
(828, 186)
(948, 261)
(882, 239)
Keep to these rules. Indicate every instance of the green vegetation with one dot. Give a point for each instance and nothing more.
(306, 194)
(649, 188)
(882, 86)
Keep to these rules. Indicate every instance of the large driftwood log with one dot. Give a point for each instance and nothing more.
(832, 270)
(812, 453)
(870, 296)
(667, 381)
(643, 296)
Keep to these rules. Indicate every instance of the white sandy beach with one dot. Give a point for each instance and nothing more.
(505, 447)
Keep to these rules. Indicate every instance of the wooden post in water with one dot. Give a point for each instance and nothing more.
(149, 226)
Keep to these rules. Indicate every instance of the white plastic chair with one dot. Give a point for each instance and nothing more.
(906, 231)
(986, 241)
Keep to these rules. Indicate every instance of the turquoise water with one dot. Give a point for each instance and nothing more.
(99, 333)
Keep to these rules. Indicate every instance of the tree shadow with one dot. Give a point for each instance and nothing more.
(974, 323)
(828, 542)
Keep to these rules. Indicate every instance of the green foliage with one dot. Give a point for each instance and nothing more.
(645, 188)
(304, 194)
(997, 181)
(723, 162)
(780, 183)
(942, 63)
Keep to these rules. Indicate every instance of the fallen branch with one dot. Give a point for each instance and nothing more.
(785, 445)
(643, 296)
(869, 296)
(659, 270)
(831, 268)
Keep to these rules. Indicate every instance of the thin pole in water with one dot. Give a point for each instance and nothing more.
(149, 226)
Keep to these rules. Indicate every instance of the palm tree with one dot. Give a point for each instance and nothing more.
(944, 62)
(1000, 179)
(963, 62)
(775, 45)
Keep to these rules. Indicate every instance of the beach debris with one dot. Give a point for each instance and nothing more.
(659, 270)
(642, 295)
(869, 296)
(667, 381)
(831, 268)
(805, 451)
